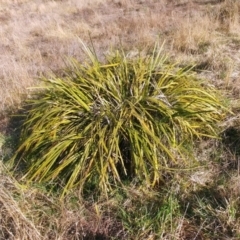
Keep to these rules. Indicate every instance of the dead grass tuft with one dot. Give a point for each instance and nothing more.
(14, 224)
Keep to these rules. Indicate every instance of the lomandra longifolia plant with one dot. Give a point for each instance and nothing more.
(122, 118)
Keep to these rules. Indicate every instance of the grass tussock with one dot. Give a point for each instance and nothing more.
(126, 118)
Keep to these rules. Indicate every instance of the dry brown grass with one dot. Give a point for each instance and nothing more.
(14, 223)
(32, 213)
(37, 35)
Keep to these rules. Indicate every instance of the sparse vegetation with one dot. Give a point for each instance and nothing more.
(195, 203)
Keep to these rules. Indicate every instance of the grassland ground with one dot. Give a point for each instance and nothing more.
(36, 39)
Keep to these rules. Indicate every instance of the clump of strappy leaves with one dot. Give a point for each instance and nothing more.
(124, 118)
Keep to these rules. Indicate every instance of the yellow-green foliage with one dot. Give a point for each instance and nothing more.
(125, 117)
